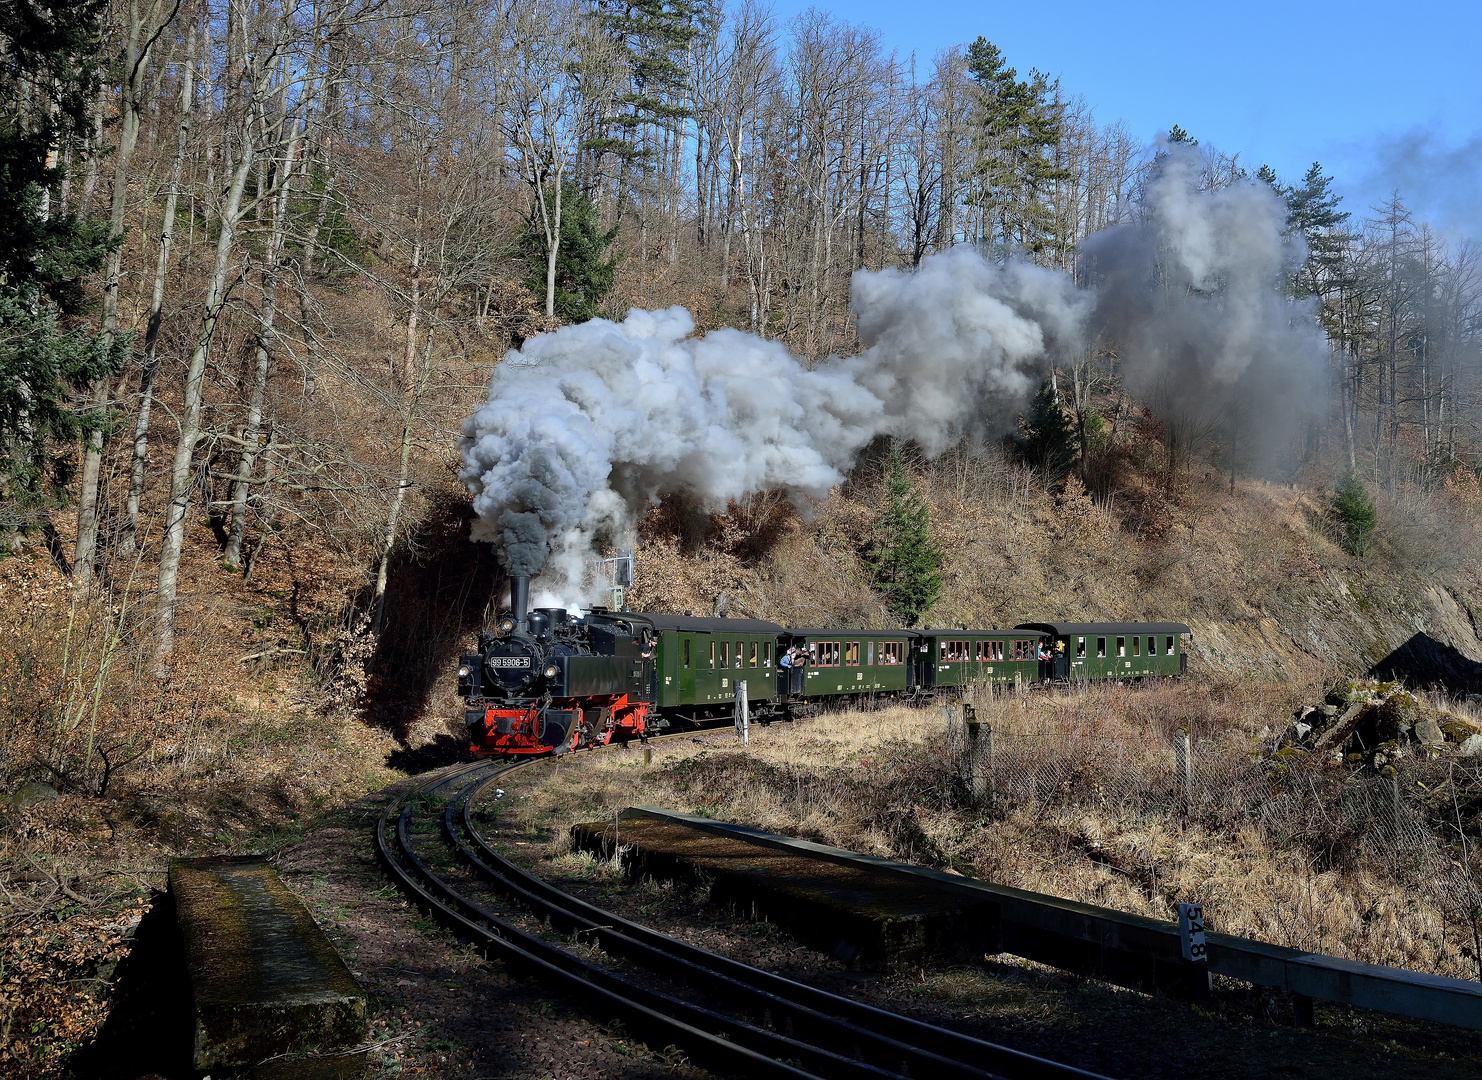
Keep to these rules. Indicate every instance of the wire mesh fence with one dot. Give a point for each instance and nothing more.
(1406, 822)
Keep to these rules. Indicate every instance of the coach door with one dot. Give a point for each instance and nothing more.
(689, 656)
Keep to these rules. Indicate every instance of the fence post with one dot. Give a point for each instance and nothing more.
(1183, 750)
(979, 754)
(743, 713)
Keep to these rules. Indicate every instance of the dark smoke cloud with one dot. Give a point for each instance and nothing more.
(1190, 297)
(1438, 178)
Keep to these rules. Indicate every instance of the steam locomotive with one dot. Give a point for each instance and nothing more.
(551, 682)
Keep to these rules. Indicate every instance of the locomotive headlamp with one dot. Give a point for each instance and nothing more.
(507, 626)
(550, 672)
(463, 671)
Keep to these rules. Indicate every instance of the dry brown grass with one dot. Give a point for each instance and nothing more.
(886, 783)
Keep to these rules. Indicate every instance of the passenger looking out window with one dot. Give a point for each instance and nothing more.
(1080, 648)
(1170, 641)
(1121, 646)
(1101, 646)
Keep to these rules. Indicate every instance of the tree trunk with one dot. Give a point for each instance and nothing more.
(388, 541)
(232, 555)
(128, 137)
(553, 235)
(190, 415)
(157, 299)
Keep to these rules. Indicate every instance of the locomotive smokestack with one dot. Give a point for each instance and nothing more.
(519, 598)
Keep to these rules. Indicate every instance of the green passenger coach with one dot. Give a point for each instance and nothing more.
(697, 662)
(1115, 650)
(960, 657)
(831, 662)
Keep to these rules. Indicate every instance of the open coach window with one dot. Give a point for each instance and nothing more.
(1171, 642)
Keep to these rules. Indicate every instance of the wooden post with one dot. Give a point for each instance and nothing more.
(1183, 750)
(979, 753)
(648, 756)
(743, 713)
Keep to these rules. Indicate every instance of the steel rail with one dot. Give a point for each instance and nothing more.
(847, 1025)
(596, 987)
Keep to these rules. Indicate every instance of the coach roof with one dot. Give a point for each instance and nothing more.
(1083, 629)
(693, 625)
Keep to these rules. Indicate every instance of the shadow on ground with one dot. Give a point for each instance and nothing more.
(440, 589)
(149, 1028)
(1425, 662)
(444, 750)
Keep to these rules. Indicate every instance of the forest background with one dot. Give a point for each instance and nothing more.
(264, 255)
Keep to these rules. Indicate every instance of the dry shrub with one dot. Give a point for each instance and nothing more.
(52, 986)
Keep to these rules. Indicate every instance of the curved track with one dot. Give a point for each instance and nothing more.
(725, 1015)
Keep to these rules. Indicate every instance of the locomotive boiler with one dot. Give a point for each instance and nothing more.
(549, 681)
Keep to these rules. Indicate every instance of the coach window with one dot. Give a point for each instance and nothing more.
(1101, 646)
(1169, 640)
(869, 654)
(766, 654)
(812, 654)
(851, 653)
(725, 654)
(686, 654)
(751, 655)
(1136, 645)
(712, 656)
(1080, 648)
(1152, 645)
(1121, 646)
(740, 653)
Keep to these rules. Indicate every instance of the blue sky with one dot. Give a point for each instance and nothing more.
(1383, 95)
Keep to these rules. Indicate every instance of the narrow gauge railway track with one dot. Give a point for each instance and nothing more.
(746, 1020)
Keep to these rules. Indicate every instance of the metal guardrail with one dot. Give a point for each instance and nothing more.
(1145, 953)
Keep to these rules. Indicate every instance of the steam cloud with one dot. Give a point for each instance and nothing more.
(587, 426)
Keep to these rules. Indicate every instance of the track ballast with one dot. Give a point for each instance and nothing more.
(723, 1014)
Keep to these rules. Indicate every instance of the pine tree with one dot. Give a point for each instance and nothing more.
(1019, 126)
(1312, 210)
(1047, 437)
(905, 562)
(583, 276)
(1353, 511)
(46, 353)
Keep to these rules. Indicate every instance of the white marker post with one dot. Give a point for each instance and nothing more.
(743, 713)
(1191, 926)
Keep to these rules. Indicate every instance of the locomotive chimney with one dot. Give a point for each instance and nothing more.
(519, 599)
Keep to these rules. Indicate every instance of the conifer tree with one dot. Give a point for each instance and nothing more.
(1019, 125)
(584, 276)
(905, 562)
(1353, 510)
(1046, 437)
(46, 353)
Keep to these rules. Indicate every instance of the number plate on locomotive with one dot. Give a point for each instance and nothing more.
(509, 661)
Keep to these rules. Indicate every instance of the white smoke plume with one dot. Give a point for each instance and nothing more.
(586, 427)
